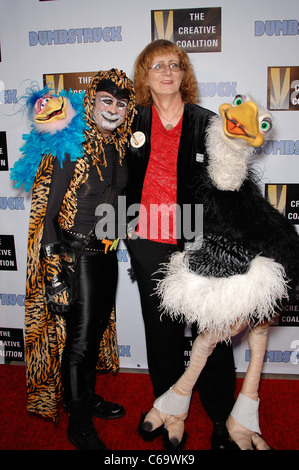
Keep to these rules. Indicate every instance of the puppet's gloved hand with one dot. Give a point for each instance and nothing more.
(57, 292)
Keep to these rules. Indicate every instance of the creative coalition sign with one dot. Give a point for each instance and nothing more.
(195, 30)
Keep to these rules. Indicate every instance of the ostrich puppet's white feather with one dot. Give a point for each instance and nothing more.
(239, 268)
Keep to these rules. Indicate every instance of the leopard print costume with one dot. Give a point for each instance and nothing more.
(44, 331)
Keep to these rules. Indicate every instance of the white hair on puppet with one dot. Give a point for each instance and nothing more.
(229, 156)
(218, 304)
(228, 165)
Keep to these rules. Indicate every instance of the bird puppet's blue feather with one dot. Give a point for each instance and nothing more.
(66, 141)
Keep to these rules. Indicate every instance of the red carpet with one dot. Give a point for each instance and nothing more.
(20, 430)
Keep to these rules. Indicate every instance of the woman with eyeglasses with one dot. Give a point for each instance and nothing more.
(165, 162)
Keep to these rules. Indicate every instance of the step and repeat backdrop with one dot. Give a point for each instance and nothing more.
(235, 47)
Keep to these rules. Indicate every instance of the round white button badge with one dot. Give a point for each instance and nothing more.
(137, 139)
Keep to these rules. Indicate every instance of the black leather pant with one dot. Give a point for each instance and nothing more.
(87, 321)
(165, 337)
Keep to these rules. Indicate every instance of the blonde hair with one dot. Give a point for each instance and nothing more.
(189, 87)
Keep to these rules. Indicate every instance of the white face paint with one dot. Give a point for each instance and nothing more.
(109, 112)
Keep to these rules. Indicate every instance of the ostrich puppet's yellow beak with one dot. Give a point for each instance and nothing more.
(242, 122)
(53, 109)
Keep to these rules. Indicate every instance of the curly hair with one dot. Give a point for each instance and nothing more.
(189, 87)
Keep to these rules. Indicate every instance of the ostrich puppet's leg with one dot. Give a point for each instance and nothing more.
(171, 409)
(243, 422)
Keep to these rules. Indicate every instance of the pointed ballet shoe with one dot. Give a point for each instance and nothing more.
(144, 429)
(173, 444)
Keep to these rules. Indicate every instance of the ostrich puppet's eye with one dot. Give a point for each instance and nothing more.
(266, 124)
(239, 99)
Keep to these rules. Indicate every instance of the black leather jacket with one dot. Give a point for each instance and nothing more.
(190, 162)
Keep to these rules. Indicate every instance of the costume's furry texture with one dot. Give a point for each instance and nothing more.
(45, 333)
(228, 164)
(237, 273)
(249, 252)
(66, 138)
(218, 303)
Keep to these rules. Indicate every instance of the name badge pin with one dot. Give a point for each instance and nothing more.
(137, 139)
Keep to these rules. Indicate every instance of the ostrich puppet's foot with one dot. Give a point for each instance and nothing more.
(243, 422)
(243, 437)
(241, 434)
(171, 408)
(172, 425)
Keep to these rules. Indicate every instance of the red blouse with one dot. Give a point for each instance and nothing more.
(157, 217)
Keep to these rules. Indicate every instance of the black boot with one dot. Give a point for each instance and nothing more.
(221, 439)
(99, 407)
(81, 432)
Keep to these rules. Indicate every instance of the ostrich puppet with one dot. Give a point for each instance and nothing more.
(236, 275)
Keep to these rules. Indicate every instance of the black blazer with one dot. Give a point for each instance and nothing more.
(190, 162)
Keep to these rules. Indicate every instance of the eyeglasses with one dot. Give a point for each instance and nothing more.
(160, 67)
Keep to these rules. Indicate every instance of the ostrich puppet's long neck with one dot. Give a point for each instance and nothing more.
(228, 158)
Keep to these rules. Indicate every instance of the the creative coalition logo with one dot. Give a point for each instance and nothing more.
(289, 314)
(77, 82)
(283, 88)
(11, 345)
(3, 152)
(285, 198)
(195, 30)
(8, 260)
(78, 35)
